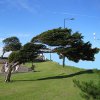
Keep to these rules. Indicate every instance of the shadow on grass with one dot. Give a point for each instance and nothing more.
(68, 76)
(61, 77)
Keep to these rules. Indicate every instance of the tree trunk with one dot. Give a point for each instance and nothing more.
(32, 63)
(63, 61)
(33, 66)
(8, 75)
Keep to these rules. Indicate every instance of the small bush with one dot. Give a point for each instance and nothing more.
(90, 90)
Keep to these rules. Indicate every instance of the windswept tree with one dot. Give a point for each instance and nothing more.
(67, 44)
(31, 51)
(26, 54)
(11, 44)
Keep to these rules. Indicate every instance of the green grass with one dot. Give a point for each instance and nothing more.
(50, 82)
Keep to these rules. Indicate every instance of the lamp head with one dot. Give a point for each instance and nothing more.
(72, 19)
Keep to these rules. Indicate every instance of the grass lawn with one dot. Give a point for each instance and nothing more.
(50, 82)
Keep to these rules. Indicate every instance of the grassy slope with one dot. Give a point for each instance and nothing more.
(50, 82)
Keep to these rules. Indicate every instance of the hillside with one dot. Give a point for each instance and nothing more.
(50, 81)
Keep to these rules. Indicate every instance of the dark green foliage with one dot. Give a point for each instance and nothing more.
(90, 90)
(53, 37)
(11, 44)
(78, 51)
(68, 44)
(13, 56)
(17, 56)
(27, 53)
(31, 51)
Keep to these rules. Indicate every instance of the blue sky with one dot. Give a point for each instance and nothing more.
(27, 18)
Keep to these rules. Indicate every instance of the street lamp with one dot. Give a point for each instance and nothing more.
(63, 57)
(67, 19)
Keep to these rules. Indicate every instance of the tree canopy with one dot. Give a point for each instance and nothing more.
(65, 43)
(53, 37)
(68, 44)
(11, 44)
(27, 53)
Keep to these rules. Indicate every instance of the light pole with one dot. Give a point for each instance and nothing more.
(64, 27)
(67, 19)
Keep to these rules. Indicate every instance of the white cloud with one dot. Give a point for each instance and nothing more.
(30, 6)
(67, 13)
(25, 5)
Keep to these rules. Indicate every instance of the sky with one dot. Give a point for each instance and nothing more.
(28, 18)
